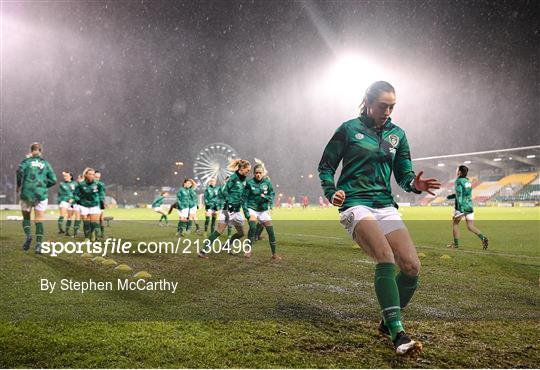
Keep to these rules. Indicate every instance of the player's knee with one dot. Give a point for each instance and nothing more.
(411, 268)
(385, 255)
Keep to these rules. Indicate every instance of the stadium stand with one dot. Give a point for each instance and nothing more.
(526, 192)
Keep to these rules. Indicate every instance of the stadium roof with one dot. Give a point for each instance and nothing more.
(500, 158)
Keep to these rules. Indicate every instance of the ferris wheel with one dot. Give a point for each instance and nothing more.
(212, 161)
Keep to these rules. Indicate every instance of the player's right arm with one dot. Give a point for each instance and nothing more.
(332, 155)
(20, 175)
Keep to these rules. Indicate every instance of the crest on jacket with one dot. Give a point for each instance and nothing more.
(393, 140)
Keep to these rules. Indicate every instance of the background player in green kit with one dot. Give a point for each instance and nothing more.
(101, 185)
(233, 202)
(66, 201)
(210, 205)
(157, 206)
(221, 203)
(183, 199)
(88, 197)
(371, 148)
(193, 206)
(464, 207)
(258, 198)
(34, 176)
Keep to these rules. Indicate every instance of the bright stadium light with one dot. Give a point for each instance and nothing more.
(531, 156)
(348, 77)
(467, 162)
(440, 164)
(497, 159)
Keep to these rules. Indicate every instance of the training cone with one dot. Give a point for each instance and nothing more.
(142, 275)
(87, 255)
(445, 257)
(123, 267)
(98, 259)
(421, 254)
(109, 262)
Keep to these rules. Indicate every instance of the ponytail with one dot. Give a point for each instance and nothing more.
(236, 164)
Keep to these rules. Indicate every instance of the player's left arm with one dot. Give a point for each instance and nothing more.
(404, 174)
(50, 176)
(271, 194)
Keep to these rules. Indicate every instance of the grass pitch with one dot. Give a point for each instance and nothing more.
(315, 308)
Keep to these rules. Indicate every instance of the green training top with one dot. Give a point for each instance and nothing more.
(34, 176)
(463, 195)
(220, 197)
(211, 196)
(183, 197)
(65, 191)
(101, 187)
(158, 201)
(369, 155)
(192, 198)
(259, 195)
(87, 193)
(233, 192)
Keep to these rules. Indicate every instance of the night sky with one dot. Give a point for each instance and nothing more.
(131, 87)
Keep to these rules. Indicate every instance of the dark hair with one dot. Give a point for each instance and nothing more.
(463, 170)
(97, 171)
(373, 92)
(36, 146)
(69, 173)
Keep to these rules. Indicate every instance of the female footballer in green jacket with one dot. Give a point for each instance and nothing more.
(371, 147)
(464, 207)
(183, 199)
(233, 202)
(258, 198)
(210, 205)
(157, 206)
(193, 206)
(34, 176)
(88, 196)
(66, 201)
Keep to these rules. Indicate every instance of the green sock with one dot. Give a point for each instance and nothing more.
(179, 227)
(206, 223)
(166, 219)
(481, 236)
(229, 231)
(76, 226)
(388, 296)
(271, 238)
(235, 236)
(260, 228)
(406, 286)
(456, 242)
(213, 223)
(213, 236)
(68, 225)
(60, 223)
(86, 228)
(196, 226)
(27, 227)
(102, 229)
(39, 232)
(189, 224)
(95, 228)
(252, 231)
